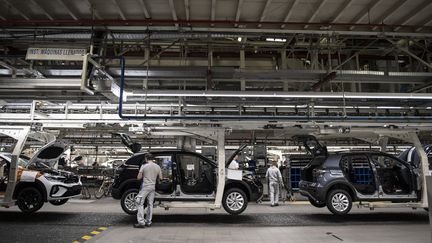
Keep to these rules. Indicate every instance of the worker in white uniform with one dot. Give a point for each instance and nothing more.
(234, 165)
(274, 179)
(149, 173)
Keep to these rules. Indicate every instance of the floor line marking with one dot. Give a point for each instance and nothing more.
(86, 237)
(90, 235)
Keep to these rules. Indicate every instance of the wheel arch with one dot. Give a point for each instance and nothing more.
(36, 184)
(238, 184)
(343, 186)
(129, 184)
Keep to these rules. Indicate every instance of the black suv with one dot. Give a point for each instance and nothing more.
(188, 176)
(336, 180)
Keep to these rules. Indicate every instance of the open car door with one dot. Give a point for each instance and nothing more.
(311, 144)
(127, 141)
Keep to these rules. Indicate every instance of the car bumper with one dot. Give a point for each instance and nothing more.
(312, 190)
(64, 191)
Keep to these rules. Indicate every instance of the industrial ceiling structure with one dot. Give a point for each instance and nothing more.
(255, 65)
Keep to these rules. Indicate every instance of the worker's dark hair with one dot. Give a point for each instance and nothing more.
(149, 156)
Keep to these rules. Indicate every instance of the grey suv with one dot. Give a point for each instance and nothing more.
(336, 180)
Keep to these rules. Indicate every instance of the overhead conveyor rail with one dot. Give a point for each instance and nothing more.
(411, 113)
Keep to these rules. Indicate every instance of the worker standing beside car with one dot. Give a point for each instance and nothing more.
(274, 179)
(149, 174)
(234, 165)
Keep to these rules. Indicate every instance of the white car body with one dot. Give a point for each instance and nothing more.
(54, 185)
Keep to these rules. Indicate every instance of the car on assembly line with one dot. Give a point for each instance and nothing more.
(37, 181)
(338, 179)
(411, 156)
(188, 176)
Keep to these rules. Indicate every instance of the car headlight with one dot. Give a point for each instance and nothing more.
(54, 177)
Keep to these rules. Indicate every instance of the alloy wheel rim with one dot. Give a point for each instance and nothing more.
(30, 200)
(130, 201)
(235, 201)
(340, 202)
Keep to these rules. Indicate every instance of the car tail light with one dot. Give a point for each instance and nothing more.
(317, 173)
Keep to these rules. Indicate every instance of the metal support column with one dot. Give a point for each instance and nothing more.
(424, 167)
(20, 134)
(221, 167)
(429, 197)
(242, 67)
(283, 59)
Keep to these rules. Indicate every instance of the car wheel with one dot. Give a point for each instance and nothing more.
(234, 201)
(59, 202)
(339, 202)
(316, 204)
(128, 202)
(29, 200)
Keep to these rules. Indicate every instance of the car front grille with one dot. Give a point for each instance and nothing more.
(73, 191)
(72, 179)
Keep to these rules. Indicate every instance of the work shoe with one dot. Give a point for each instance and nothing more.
(148, 225)
(140, 226)
(272, 205)
(276, 204)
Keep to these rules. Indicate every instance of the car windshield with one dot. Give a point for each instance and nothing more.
(40, 165)
(23, 162)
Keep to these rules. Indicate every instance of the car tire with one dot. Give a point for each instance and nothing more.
(315, 204)
(29, 200)
(128, 202)
(59, 202)
(234, 201)
(339, 202)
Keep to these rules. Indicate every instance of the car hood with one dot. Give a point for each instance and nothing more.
(234, 154)
(49, 154)
(311, 144)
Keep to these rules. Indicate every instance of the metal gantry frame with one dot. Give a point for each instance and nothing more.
(20, 133)
(217, 135)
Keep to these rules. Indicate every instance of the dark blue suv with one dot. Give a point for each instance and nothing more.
(336, 180)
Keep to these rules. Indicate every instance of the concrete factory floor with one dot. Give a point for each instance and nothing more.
(104, 221)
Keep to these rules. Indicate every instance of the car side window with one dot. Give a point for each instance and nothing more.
(357, 168)
(382, 161)
(136, 160)
(165, 162)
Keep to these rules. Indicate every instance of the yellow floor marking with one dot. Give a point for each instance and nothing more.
(103, 228)
(76, 241)
(95, 232)
(86, 237)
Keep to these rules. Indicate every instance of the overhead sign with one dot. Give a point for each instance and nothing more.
(65, 54)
